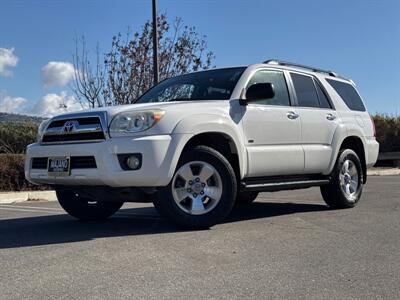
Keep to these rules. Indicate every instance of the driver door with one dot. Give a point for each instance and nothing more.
(272, 130)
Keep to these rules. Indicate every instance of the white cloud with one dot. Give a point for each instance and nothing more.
(10, 104)
(7, 59)
(53, 104)
(57, 73)
(50, 105)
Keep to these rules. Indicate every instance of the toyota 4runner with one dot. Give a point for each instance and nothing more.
(197, 144)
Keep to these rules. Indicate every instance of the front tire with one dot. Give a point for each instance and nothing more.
(345, 187)
(202, 191)
(86, 209)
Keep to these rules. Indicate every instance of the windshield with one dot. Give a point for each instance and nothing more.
(205, 85)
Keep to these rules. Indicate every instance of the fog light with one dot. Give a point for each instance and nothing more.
(133, 162)
(130, 161)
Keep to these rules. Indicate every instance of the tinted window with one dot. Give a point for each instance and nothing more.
(305, 90)
(323, 100)
(278, 81)
(348, 93)
(206, 85)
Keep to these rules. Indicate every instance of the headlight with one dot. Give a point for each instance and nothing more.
(135, 121)
(42, 127)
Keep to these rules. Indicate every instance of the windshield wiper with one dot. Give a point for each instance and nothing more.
(180, 99)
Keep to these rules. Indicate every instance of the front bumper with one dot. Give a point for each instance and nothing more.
(160, 156)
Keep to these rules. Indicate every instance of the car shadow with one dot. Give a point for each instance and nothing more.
(61, 228)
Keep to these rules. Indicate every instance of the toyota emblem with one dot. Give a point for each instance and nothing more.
(70, 126)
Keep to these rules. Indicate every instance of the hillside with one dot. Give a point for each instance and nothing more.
(15, 118)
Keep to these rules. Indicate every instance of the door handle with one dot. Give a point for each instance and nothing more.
(292, 115)
(330, 117)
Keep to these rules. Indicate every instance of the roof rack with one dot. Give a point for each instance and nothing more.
(289, 64)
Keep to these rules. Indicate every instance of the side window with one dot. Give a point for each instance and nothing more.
(278, 80)
(323, 100)
(348, 93)
(305, 90)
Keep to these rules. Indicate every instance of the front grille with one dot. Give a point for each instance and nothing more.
(73, 137)
(75, 129)
(81, 121)
(77, 162)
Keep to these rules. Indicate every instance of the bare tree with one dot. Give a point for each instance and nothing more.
(89, 83)
(128, 64)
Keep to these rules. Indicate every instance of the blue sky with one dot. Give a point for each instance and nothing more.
(359, 39)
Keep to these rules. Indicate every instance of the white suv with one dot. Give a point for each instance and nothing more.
(197, 144)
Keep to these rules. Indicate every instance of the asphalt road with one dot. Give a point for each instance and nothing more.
(286, 245)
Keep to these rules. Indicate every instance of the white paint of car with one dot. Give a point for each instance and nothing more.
(267, 141)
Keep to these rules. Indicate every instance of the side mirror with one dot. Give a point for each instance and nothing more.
(260, 91)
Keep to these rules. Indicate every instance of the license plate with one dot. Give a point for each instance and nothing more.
(58, 166)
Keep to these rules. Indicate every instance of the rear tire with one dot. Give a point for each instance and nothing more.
(345, 187)
(246, 198)
(202, 191)
(86, 209)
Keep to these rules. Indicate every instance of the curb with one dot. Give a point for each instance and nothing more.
(16, 197)
(383, 172)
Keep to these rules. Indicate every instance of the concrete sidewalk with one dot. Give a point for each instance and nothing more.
(15, 197)
(383, 171)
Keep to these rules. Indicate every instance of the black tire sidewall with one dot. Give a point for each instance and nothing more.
(349, 154)
(332, 192)
(246, 198)
(167, 206)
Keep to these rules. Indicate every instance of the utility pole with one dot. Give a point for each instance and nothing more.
(155, 43)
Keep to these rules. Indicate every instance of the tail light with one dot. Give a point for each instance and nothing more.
(373, 125)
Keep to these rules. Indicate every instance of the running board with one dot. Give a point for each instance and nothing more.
(273, 185)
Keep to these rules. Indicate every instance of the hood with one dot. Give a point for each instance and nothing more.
(199, 106)
(175, 112)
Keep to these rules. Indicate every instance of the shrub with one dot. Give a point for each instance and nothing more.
(14, 137)
(387, 133)
(12, 177)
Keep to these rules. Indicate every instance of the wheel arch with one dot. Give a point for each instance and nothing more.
(356, 144)
(218, 132)
(351, 140)
(220, 142)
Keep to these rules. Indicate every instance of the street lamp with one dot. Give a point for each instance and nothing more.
(155, 44)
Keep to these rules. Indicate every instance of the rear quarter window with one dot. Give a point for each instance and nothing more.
(305, 90)
(348, 93)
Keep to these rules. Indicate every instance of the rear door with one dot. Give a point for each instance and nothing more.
(318, 122)
(272, 130)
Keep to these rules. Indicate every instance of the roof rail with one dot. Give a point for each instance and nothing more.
(289, 64)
